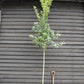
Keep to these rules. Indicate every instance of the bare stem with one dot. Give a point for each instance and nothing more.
(43, 66)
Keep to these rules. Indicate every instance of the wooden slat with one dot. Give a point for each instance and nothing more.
(71, 0)
(1, 1)
(0, 16)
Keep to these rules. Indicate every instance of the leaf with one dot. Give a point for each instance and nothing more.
(31, 36)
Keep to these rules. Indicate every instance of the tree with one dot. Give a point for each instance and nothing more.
(45, 35)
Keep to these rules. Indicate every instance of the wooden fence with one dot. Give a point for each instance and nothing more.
(21, 60)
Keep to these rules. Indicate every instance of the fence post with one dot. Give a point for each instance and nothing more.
(52, 74)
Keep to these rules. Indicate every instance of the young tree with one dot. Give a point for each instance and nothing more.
(45, 35)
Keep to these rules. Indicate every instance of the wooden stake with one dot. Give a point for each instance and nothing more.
(53, 74)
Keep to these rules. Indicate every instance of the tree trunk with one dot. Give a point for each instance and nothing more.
(43, 66)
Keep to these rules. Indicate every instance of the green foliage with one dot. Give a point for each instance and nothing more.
(45, 35)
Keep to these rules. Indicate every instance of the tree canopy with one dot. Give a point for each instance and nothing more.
(45, 34)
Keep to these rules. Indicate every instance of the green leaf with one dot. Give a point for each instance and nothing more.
(31, 36)
(34, 7)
